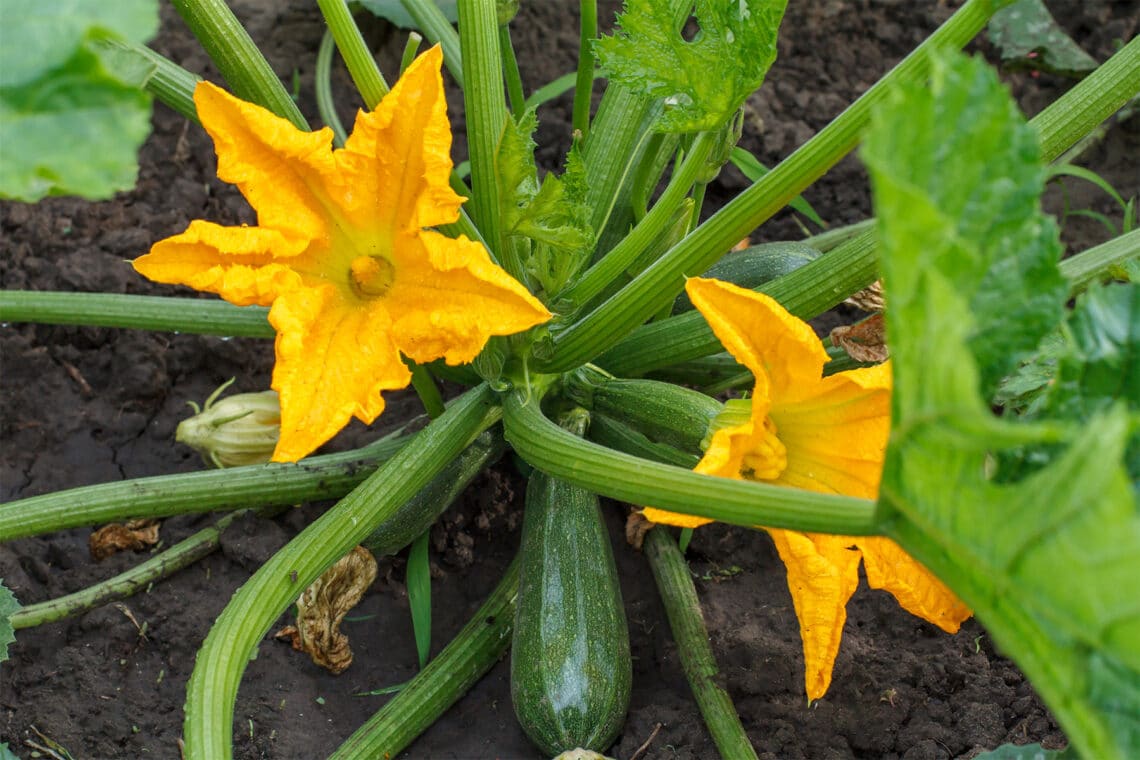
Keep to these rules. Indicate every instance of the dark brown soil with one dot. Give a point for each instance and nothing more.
(84, 406)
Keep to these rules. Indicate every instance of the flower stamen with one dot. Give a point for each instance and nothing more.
(371, 276)
(768, 457)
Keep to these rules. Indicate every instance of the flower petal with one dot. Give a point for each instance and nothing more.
(449, 298)
(917, 590)
(760, 333)
(288, 176)
(835, 432)
(333, 359)
(237, 263)
(401, 154)
(823, 572)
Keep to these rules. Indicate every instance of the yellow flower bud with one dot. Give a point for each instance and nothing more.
(239, 430)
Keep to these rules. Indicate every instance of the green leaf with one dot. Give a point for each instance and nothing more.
(552, 215)
(419, 595)
(72, 112)
(1050, 563)
(8, 607)
(703, 81)
(1029, 38)
(1026, 752)
(393, 11)
(998, 246)
(7, 754)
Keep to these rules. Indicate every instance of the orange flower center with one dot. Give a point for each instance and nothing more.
(768, 457)
(371, 276)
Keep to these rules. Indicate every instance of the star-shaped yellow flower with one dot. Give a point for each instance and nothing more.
(342, 254)
(826, 434)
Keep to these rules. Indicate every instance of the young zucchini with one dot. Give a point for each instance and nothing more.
(570, 662)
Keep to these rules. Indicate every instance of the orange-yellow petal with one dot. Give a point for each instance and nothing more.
(401, 153)
(823, 572)
(237, 263)
(448, 298)
(760, 333)
(917, 590)
(334, 357)
(835, 432)
(288, 176)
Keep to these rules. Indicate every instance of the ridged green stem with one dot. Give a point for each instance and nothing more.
(660, 283)
(361, 65)
(213, 686)
(473, 651)
(169, 82)
(683, 608)
(614, 143)
(563, 455)
(1089, 265)
(1091, 101)
(328, 476)
(186, 315)
(237, 57)
(595, 279)
(322, 84)
(433, 25)
(584, 83)
(486, 117)
(125, 584)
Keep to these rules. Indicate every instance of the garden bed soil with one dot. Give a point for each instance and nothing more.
(86, 405)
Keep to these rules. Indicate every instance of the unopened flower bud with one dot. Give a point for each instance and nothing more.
(239, 430)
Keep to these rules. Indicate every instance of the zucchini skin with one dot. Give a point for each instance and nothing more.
(570, 662)
(422, 510)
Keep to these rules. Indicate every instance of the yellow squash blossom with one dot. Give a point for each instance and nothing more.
(342, 254)
(826, 434)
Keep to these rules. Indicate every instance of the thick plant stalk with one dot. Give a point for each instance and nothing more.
(237, 57)
(125, 584)
(164, 313)
(212, 691)
(563, 455)
(486, 115)
(169, 82)
(683, 609)
(361, 65)
(473, 651)
(323, 477)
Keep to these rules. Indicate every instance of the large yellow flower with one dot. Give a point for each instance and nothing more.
(342, 255)
(826, 434)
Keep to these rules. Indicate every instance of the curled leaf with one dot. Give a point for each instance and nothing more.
(323, 606)
(133, 535)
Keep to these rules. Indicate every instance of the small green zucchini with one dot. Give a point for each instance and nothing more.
(418, 513)
(754, 266)
(570, 661)
(663, 412)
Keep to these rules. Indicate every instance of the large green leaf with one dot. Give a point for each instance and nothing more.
(1029, 38)
(703, 81)
(1050, 563)
(72, 114)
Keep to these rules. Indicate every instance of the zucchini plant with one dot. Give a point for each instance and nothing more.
(375, 266)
